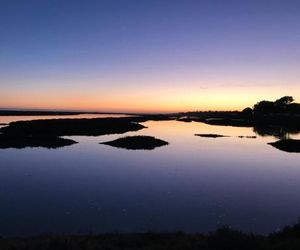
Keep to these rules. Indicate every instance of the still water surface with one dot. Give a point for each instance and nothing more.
(194, 184)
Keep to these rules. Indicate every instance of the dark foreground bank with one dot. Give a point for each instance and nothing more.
(48, 133)
(222, 239)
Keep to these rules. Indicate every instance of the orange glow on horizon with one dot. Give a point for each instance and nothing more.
(146, 100)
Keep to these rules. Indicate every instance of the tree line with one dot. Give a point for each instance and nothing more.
(283, 105)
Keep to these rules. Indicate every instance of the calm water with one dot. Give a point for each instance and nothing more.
(194, 184)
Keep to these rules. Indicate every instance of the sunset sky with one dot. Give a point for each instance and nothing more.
(147, 55)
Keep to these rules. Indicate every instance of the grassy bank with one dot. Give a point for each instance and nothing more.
(222, 239)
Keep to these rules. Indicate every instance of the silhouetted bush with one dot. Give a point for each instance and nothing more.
(222, 239)
(247, 113)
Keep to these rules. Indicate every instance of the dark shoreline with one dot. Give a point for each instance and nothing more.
(222, 239)
(48, 132)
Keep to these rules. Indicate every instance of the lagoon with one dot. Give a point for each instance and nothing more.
(194, 184)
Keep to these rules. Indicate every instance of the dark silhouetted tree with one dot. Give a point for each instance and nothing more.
(264, 107)
(247, 113)
(293, 108)
(282, 105)
(284, 101)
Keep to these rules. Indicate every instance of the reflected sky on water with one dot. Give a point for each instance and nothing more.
(194, 184)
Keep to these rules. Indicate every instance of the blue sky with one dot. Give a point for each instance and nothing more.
(147, 55)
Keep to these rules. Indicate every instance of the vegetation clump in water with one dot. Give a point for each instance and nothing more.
(211, 135)
(137, 142)
(47, 133)
(289, 145)
(19, 142)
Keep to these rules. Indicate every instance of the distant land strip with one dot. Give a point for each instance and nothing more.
(40, 112)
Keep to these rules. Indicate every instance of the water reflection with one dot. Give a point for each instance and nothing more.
(194, 184)
(277, 132)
